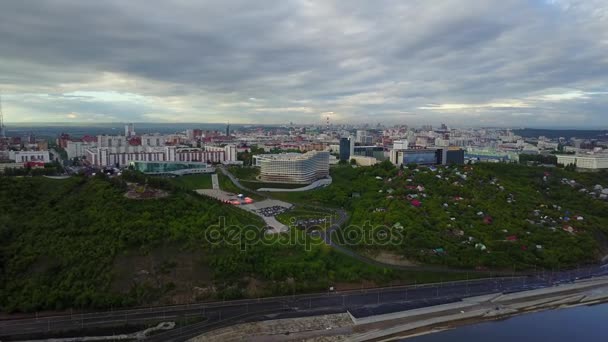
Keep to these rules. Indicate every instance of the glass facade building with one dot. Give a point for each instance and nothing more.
(420, 157)
(370, 151)
(176, 168)
(344, 149)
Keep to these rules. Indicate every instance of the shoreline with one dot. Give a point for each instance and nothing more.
(428, 320)
(473, 321)
(500, 307)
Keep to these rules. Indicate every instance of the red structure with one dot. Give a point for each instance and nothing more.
(63, 139)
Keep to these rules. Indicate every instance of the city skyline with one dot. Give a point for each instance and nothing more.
(498, 63)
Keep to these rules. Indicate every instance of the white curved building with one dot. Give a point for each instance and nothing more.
(293, 167)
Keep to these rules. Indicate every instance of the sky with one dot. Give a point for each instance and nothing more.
(518, 63)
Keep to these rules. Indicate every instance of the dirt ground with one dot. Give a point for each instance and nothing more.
(393, 259)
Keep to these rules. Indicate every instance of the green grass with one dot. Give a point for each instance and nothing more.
(227, 185)
(244, 173)
(193, 182)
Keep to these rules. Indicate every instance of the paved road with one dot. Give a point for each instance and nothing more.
(215, 183)
(237, 183)
(219, 314)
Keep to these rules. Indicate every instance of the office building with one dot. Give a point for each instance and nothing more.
(592, 162)
(29, 156)
(370, 151)
(420, 157)
(441, 156)
(293, 167)
(400, 144)
(347, 146)
(449, 156)
(173, 168)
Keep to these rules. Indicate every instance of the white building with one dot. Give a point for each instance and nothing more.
(129, 130)
(440, 142)
(111, 141)
(77, 149)
(27, 156)
(293, 167)
(400, 144)
(364, 161)
(122, 156)
(598, 161)
(153, 140)
(230, 153)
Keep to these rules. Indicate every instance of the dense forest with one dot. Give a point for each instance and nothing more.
(81, 243)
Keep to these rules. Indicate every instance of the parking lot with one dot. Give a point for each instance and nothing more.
(271, 211)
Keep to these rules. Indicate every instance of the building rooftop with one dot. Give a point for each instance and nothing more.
(289, 156)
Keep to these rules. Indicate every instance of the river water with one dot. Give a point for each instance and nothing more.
(584, 323)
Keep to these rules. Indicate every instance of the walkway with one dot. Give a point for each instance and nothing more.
(317, 184)
(215, 182)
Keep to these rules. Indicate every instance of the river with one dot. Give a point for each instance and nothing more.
(583, 323)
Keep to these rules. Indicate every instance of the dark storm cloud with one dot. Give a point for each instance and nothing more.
(278, 61)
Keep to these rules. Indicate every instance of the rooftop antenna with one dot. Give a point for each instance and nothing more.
(2, 133)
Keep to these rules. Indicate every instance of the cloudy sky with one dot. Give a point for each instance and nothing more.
(477, 62)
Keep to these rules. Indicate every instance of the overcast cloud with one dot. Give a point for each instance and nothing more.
(467, 63)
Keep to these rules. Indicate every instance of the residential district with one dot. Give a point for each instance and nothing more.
(277, 147)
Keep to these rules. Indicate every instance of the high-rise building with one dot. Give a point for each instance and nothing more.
(228, 130)
(361, 135)
(345, 149)
(293, 167)
(230, 153)
(129, 130)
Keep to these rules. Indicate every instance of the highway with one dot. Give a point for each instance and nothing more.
(218, 314)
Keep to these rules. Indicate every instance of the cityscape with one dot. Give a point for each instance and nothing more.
(303, 171)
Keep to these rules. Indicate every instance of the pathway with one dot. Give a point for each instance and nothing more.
(215, 182)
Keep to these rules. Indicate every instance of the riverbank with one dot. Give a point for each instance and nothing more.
(410, 323)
